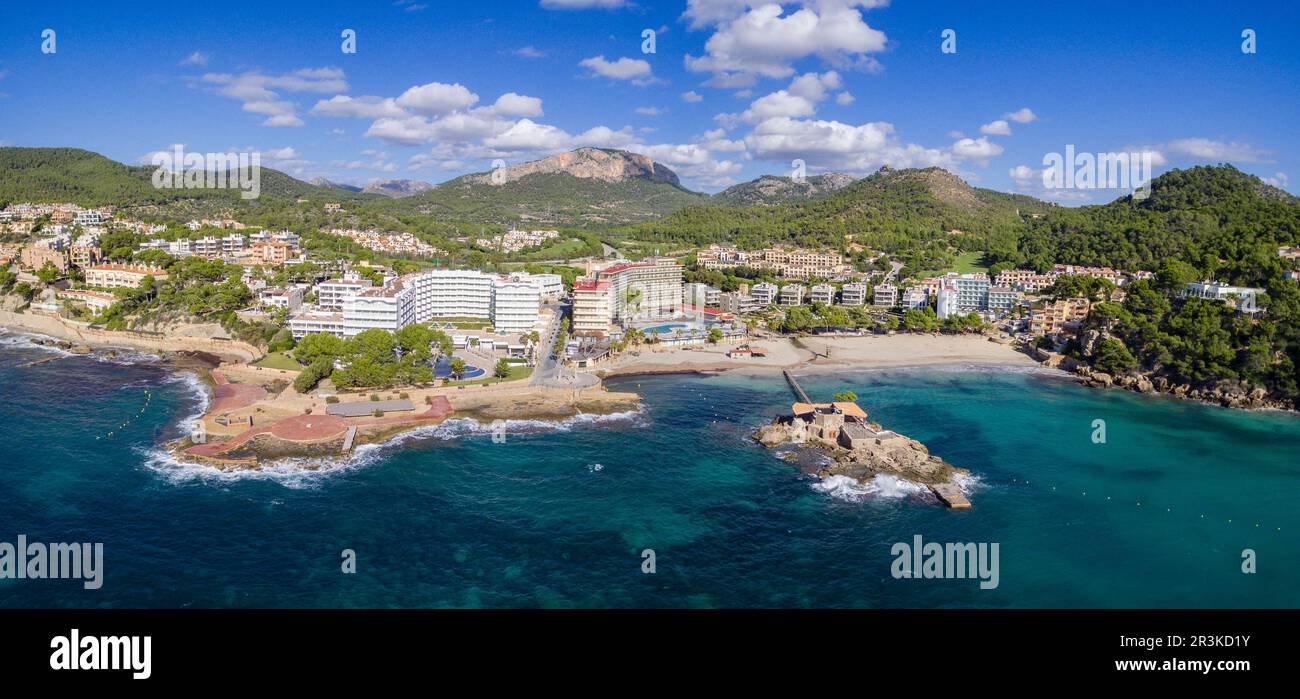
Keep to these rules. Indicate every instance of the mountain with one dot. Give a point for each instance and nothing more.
(1226, 223)
(328, 184)
(587, 186)
(89, 179)
(604, 164)
(397, 188)
(769, 189)
(893, 210)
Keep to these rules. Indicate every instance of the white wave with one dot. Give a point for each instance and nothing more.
(198, 393)
(968, 483)
(881, 486)
(309, 472)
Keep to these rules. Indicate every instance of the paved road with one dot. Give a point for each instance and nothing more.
(550, 372)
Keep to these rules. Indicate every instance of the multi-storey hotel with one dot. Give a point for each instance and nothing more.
(512, 304)
(650, 288)
(793, 264)
(593, 307)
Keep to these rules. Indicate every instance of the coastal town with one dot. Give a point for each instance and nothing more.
(328, 351)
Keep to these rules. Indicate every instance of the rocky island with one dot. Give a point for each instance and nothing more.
(862, 449)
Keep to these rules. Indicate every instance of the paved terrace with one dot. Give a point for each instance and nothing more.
(363, 408)
(316, 428)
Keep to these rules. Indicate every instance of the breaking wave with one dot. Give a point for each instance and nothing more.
(310, 472)
(881, 486)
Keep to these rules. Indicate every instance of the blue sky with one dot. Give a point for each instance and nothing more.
(733, 90)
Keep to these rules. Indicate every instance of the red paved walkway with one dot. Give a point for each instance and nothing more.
(311, 428)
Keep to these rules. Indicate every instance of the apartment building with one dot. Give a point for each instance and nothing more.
(511, 304)
(288, 298)
(822, 293)
(122, 276)
(310, 323)
(853, 294)
(96, 301)
(1243, 298)
(763, 294)
(792, 294)
(272, 253)
(1063, 314)
(84, 255)
(1002, 299)
(35, 257)
(915, 297)
(330, 294)
(885, 295)
(1026, 280)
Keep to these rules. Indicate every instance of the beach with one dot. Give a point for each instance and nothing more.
(827, 353)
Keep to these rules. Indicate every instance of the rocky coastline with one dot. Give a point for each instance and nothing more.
(1226, 393)
(898, 456)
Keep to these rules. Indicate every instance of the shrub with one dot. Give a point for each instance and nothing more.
(331, 399)
(404, 396)
(374, 396)
(379, 413)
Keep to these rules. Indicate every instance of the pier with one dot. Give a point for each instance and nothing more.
(798, 390)
(951, 496)
(349, 438)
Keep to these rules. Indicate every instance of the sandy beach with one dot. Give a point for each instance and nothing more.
(824, 353)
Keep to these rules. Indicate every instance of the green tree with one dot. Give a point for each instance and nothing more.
(502, 369)
(1113, 357)
(317, 346)
(846, 396)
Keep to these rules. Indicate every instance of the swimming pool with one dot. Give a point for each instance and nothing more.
(442, 370)
(664, 329)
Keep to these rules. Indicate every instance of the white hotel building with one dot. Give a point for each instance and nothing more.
(512, 304)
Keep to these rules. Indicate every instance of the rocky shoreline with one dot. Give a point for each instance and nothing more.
(898, 456)
(1226, 393)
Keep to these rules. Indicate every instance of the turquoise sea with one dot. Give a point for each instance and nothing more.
(558, 516)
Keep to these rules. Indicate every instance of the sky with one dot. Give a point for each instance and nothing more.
(730, 89)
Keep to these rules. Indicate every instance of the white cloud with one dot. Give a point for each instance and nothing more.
(258, 91)
(198, 58)
(1207, 149)
(367, 107)
(799, 99)
(692, 96)
(996, 128)
(515, 105)
(624, 68)
(761, 38)
(977, 149)
(649, 111)
(1025, 176)
(844, 99)
(529, 52)
(437, 98)
(833, 145)
(1024, 115)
